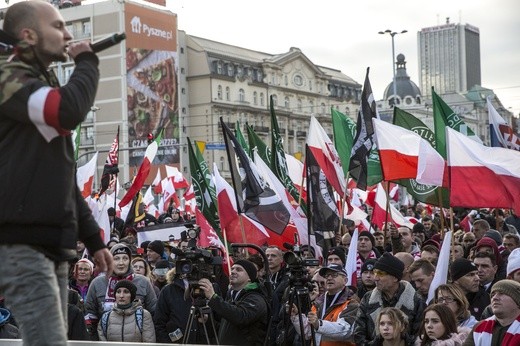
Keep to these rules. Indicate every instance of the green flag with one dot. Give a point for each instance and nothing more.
(76, 136)
(424, 193)
(444, 116)
(256, 142)
(241, 139)
(205, 199)
(279, 162)
(344, 130)
(375, 174)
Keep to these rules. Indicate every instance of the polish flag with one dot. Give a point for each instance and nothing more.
(142, 174)
(326, 156)
(351, 263)
(209, 238)
(189, 193)
(406, 155)
(229, 219)
(85, 176)
(379, 212)
(157, 183)
(168, 193)
(482, 176)
(179, 181)
(148, 196)
(501, 134)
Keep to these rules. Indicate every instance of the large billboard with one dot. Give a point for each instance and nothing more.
(151, 76)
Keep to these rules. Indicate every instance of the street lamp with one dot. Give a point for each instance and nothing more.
(393, 33)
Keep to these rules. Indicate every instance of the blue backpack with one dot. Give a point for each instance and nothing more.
(138, 320)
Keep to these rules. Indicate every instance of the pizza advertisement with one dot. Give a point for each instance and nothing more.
(152, 83)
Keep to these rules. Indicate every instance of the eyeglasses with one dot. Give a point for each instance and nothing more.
(380, 272)
(332, 275)
(445, 300)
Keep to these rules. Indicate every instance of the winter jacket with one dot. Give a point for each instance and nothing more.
(245, 320)
(123, 325)
(95, 304)
(173, 312)
(336, 326)
(37, 156)
(478, 301)
(76, 324)
(406, 299)
(455, 339)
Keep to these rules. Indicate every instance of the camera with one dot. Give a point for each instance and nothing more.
(195, 264)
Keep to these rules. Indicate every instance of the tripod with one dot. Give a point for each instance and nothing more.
(299, 296)
(199, 309)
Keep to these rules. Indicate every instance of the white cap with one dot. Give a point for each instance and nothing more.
(513, 261)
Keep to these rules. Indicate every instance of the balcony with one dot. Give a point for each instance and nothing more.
(261, 129)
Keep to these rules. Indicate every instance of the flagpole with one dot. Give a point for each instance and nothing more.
(342, 212)
(387, 206)
(452, 228)
(309, 210)
(439, 196)
(224, 233)
(242, 228)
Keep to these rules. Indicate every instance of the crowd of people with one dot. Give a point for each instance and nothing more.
(118, 290)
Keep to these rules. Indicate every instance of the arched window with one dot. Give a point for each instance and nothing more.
(219, 92)
(241, 95)
(228, 94)
(299, 105)
(262, 101)
(311, 105)
(255, 98)
(287, 102)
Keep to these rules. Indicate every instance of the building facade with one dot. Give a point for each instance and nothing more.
(211, 80)
(449, 58)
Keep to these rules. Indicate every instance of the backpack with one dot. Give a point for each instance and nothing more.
(138, 320)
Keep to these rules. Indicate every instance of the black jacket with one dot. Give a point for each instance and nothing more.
(478, 302)
(40, 203)
(244, 321)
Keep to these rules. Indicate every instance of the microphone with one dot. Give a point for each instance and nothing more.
(108, 42)
(288, 246)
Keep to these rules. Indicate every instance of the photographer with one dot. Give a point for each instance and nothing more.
(333, 314)
(245, 313)
(174, 306)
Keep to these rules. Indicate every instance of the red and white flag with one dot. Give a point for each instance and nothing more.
(209, 238)
(142, 174)
(351, 263)
(379, 212)
(406, 155)
(501, 134)
(178, 179)
(482, 176)
(228, 215)
(85, 176)
(157, 183)
(326, 156)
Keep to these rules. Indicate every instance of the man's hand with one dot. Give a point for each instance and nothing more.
(76, 48)
(313, 319)
(207, 287)
(104, 261)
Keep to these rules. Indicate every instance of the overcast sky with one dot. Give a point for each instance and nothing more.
(344, 34)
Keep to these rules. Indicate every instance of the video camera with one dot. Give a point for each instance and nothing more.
(297, 265)
(195, 264)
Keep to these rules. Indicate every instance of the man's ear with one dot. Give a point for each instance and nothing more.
(30, 36)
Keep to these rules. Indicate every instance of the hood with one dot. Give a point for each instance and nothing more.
(485, 241)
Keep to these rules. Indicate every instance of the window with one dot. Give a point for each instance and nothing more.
(262, 103)
(228, 94)
(239, 71)
(219, 92)
(260, 76)
(287, 103)
(323, 109)
(286, 80)
(298, 80)
(230, 70)
(299, 105)
(182, 70)
(241, 95)
(255, 98)
(182, 50)
(86, 28)
(275, 100)
(219, 67)
(311, 105)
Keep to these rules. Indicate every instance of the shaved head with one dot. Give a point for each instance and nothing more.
(23, 15)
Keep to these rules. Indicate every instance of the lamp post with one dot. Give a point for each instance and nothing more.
(392, 34)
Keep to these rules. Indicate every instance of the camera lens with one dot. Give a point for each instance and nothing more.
(186, 268)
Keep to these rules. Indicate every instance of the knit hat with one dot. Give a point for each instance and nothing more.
(495, 235)
(129, 285)
(461, 267)
(489, 242)
(87, 262)
(391, 265)
(121, 249)
(144, 244)
(368, 265)
(332, 267)
(249, 267)
(156, 246)
(418, 228)
(369, 235)
(432, 243)
(513, 261)
(509, 288)
(111, 211)
(338, 251)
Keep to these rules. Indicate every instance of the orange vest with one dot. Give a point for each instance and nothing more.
(333, 316)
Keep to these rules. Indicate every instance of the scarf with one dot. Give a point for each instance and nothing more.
(360, 260)
(110, 295)
(483, 333)
(406, 299)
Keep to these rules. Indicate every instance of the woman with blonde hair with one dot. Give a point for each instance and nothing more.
(391, 327)
(453, 297)
(140, 266)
